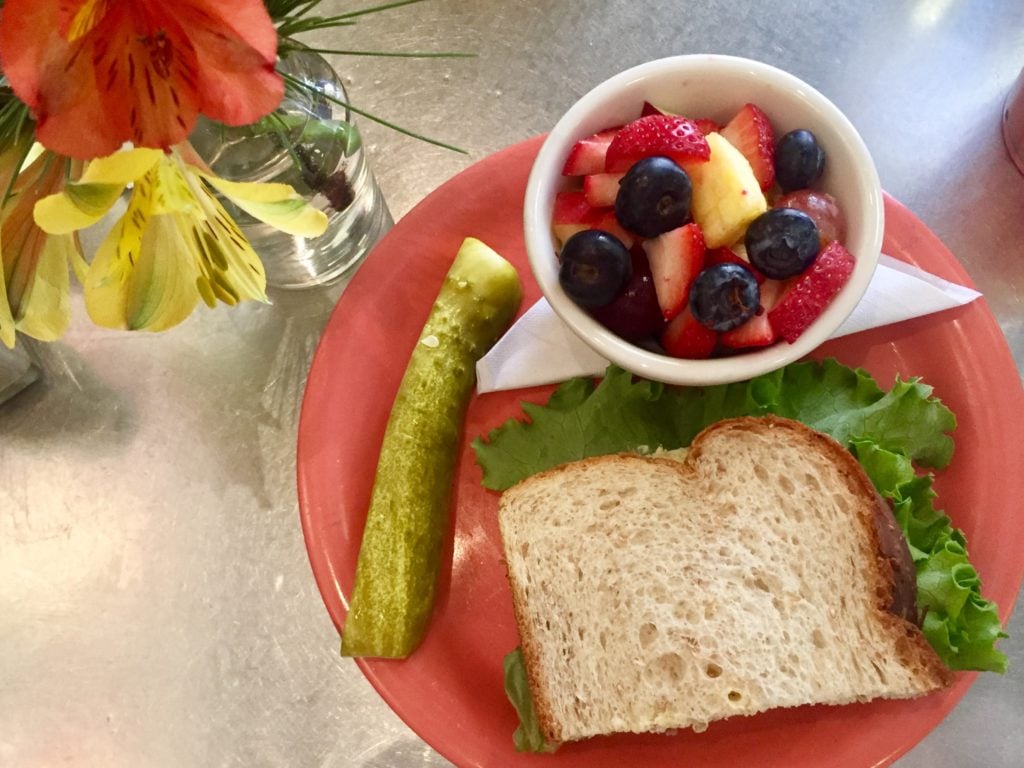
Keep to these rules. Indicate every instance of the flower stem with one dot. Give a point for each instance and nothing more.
(397, 54)
(374, 9)
(369, 115)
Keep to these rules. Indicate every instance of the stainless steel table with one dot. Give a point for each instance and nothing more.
(156, 604)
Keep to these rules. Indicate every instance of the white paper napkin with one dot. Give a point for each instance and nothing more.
(540, 348)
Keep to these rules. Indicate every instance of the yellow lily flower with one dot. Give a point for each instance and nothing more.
(10, 159)
(175, 243)
(34, 283)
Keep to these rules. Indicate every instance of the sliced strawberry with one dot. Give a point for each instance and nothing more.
(609, 223)
(751, 133)
(806, 296)
(685, 337)
(757, 331)
(706, 125)
(571, 206)
(588, 155)
(677, 138)
(600, 189)
(675, 257)
(725, 255)
(650, 109)
(572, 213)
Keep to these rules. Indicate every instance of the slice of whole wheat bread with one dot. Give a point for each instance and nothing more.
(653, 594)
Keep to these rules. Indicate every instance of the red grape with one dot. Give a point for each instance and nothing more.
(634, 314)
(821, 207)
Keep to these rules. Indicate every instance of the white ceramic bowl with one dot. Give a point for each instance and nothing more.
(713, 86)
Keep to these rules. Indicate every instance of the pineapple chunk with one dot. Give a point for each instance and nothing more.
(726, 196)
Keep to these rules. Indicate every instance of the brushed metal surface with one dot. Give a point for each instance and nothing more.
(156, 604)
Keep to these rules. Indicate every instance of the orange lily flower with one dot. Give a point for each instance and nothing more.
(98, 73)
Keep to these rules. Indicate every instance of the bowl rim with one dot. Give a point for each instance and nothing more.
(546, 174)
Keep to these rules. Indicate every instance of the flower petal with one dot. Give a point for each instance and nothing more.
(45, 309)
(98, 73)
(77, 207)
(7, 332)
(231, 267)
(78, 263)
(13, 158)
(139, 278)
(85, 202)
(145, 70)
(26, 32)
(35, 264)
(10, 161)
(278, 205)
(121, 167)
(173, 192)
(106, 283)
(174, 245)
(59, 80)
(164, 289)
(230, 264)
(236, 49)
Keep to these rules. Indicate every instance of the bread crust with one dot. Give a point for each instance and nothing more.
(895, 580)
(892, 576)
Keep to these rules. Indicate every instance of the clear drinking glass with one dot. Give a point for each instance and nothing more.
(1013, 122)
(311, 143)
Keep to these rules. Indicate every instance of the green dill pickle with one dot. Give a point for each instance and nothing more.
(399, 557)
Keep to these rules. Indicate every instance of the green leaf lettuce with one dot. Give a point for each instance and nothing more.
(623, 414)
(888, 431)
(527, 737)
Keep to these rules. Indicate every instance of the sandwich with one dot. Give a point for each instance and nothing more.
(761, 570)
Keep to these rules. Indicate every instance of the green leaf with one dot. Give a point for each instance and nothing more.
(969, 644)
(887, 431)
(981, 629)
(344, 133)
(304, 129)
(623, 414)
(945, 579)
(577, 422)
(527, 736)
(925, 526)
(885, 468)
(848, 404)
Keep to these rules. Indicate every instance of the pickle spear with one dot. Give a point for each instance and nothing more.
(399, 557)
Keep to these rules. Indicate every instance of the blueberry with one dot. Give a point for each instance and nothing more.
(724, 296)
(799, 160)
(654, 197)
(782, 242)
(595, 267)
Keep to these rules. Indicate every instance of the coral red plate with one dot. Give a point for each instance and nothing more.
(450, 690)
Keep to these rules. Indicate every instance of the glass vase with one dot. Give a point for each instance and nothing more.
(312, 143)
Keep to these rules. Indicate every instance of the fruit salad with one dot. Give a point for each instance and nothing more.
(698, 239)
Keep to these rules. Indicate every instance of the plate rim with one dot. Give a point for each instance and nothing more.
(327, 578)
